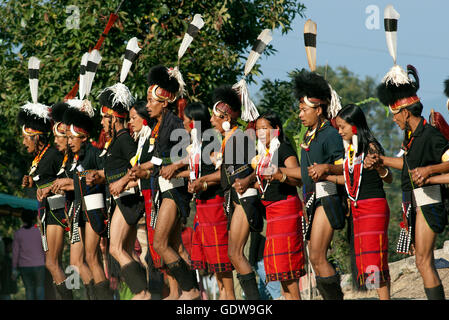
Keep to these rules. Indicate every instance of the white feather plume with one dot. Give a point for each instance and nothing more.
(121, 95)
(37, 109)
(75, 103)
(175, 73)
(265, 37)
(396, 76)
(82, 105)
(335, 104)
(391, 37)
(95, 57)
(82, 86)
(126, 66)
(249, 110)
(187, 40)
(34, 63)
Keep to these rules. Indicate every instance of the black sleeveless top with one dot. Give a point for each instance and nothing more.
(371, 185)
(121, 150)
(276, 190)
(48, 168)
(239, 151)
(207, 169)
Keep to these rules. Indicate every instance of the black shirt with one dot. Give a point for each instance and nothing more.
(89, 159)
(207, 169)
(164, 143)
(326, 147)
(371, 185)
(121, 150)
(276, 190)
(427, 148)
(48, 167)
(239, 151)
(145, 157)
(66, 173)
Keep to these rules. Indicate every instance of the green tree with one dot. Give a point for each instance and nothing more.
(48, 30)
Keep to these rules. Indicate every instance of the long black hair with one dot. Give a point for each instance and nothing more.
(354, 115)
(141, 109)
(197, 111)
(274, 121)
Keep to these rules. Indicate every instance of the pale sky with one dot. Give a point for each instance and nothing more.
(343, 39)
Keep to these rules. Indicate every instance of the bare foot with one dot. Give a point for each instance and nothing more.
(193, 294)
(144, 295)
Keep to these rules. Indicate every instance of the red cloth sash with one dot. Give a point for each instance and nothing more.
(210, 239)
(284, 247)
(371, 217)
(157, 260)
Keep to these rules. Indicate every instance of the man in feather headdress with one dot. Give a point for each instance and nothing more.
(423, 146)
(322, 154)
(170, 197)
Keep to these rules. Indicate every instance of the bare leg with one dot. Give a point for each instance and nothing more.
(175, 291)
(77, 260)
(176, 242)
(291, 290)
(164, 237)
(320, 239)
(424, 245)
(384, 292)
(225, 285)
(165, 226)
(119, 245)
(91, 243)
(238, 235)
(55, 241)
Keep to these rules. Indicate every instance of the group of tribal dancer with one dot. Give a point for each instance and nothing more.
(238, 180)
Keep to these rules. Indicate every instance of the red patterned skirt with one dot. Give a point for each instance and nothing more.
(370, 218)
(210, 237)
(157, 261)
(284, 247)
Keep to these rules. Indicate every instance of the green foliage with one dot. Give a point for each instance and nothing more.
(43, 29)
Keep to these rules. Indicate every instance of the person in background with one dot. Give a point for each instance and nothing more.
(8, 283)
(28, 258)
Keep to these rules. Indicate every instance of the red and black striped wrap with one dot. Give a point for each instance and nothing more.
(210, 238)
(370, 219)
(284, 247)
